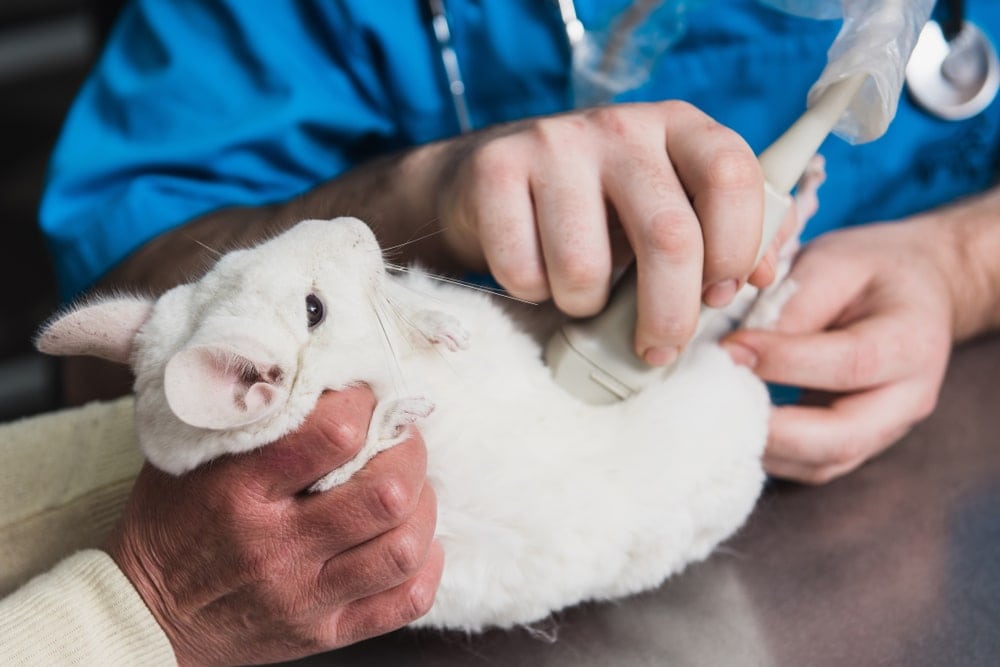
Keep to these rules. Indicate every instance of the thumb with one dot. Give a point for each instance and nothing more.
(821, 290)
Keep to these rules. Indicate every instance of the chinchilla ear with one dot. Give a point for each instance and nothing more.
(223, 386)
(103, 329)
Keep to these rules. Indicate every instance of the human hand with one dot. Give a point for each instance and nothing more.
(550, 205)
(868, 333)
(239, 565)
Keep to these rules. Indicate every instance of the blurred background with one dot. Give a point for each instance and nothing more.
(46, 49)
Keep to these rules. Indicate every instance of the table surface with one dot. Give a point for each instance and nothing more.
(895, 564)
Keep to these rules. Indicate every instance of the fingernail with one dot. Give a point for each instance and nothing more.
(721, 293)
(741, 354)
(768, 265)
(660, 356)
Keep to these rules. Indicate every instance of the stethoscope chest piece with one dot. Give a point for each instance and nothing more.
(953, 79)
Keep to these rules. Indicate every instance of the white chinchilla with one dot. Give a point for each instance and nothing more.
(543, 501)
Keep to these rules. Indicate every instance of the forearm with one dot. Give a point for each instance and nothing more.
(394, 194)
(970, 249)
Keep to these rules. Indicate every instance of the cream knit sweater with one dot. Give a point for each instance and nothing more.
(64, 478)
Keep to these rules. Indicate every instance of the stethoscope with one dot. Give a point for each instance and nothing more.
(456, 83)
(953, 72)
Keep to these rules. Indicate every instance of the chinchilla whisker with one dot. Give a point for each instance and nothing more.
(399, 246)
(427, 295)
(467, 285)
(397, 317)
(204, 245)
(390, 348)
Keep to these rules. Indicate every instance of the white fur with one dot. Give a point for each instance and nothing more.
(543, 502)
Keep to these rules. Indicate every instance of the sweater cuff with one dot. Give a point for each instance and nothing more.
(83, 611)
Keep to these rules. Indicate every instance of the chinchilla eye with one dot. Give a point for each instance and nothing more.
(315, 312)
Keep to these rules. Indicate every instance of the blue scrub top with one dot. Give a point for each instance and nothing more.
(199, 105)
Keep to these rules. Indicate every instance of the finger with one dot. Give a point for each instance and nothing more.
(805, 474)
(383, 562)
(573, 229)
(819, 473)
(666, 238)
(724, 181)
(332, 435)
(868, 353)
(824, 287)
(841, 436)
(379, 497)
(498, 206)
(765, 271)
(391, 609)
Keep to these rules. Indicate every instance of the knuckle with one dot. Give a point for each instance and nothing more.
(524, 279)
(681, 110)
(333, 631)
(335, 628)
(611, 120)
(317, 638)
(420, 597)
(493, 161)
(861, 366)
(733, 169)
(582, 272)
(339, 421)
(848, 453)
(346, 435)
(552, 134)
(403, 553)
(666, 233)
(393, 501)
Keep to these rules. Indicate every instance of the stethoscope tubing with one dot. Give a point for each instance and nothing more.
(951, 27)
(449, 59)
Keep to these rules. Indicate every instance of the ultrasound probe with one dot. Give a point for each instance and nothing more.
(594, 359)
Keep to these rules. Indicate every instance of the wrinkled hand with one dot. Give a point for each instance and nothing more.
(868, 333)
(551, 205)
(239, 565)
